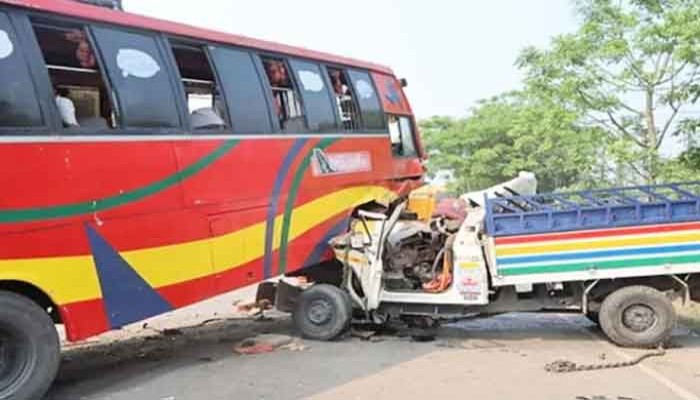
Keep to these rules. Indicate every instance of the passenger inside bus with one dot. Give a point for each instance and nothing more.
(204, 101)
(286, 99)
(76, 76)
(66, 108)
(346, 103)
(83, 53)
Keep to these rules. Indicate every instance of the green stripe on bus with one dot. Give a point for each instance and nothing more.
(71, 210)
(291, 199)
(612, 264)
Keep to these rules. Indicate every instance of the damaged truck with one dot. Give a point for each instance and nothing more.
(619, 256)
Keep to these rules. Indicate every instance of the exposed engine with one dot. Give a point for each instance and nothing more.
(418, 254)
(414, 257)
(411, 250)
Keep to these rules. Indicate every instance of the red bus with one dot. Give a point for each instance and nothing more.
(148, 165)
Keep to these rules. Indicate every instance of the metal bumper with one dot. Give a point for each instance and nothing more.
(281, 294)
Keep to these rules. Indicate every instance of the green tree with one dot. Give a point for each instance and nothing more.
(683, 168)
(512, 133)
(632, 69)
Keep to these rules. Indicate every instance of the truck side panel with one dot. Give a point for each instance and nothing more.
(602, 253)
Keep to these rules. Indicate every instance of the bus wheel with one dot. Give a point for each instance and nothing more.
(637, 316)
(322, 312)
(29, 349)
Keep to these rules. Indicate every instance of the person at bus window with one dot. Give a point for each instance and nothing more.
(66, 108)
(339, 87)
(342, 98)
(83, 53)
(277, 75)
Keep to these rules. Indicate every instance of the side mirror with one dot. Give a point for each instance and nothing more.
(403, 82)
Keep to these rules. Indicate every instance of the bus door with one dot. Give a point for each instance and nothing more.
(405, 142)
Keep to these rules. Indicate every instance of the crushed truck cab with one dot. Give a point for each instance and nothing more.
(620, 256)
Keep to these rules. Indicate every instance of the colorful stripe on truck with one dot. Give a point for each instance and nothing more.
(601, 249)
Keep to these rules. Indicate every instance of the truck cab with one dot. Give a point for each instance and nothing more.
(619, 256)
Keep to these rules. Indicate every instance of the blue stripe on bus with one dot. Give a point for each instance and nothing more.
(598, 254)
(126, 295)
(274, 199)
(322, 245)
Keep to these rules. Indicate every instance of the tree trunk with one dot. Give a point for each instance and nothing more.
(651, 139)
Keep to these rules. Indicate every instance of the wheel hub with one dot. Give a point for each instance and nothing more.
(639, 317)
(320, 311)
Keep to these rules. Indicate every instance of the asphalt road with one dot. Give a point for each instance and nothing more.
(496, 358)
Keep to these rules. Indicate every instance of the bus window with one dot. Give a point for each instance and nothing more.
(18, 104)
(204, 102)
(317, 98)
(401, 132)
(371, 109)
(347, 107)
(139, 77)
(81, 96)
(243, 89)
(285, 97)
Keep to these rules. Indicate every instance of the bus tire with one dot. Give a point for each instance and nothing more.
(30, 350)
(637, 316)
(322, 312)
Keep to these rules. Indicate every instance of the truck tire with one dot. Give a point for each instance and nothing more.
(322, 312)
(30, 351)
(637, 316)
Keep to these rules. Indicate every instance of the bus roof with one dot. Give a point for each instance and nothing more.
(101, 14)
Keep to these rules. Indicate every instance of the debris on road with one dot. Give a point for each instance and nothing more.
(253, 307)
(248, 347)
(562, 366)
(267, 343)
(296, 345)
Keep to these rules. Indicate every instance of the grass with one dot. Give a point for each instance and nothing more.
(690, 316)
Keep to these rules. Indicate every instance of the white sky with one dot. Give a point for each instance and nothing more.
(453, 52)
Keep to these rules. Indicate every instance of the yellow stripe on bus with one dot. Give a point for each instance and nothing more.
(64, 279)
(72, 279)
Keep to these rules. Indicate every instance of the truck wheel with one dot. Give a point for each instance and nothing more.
(637, 316)
(322, 312)
(29, 349)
